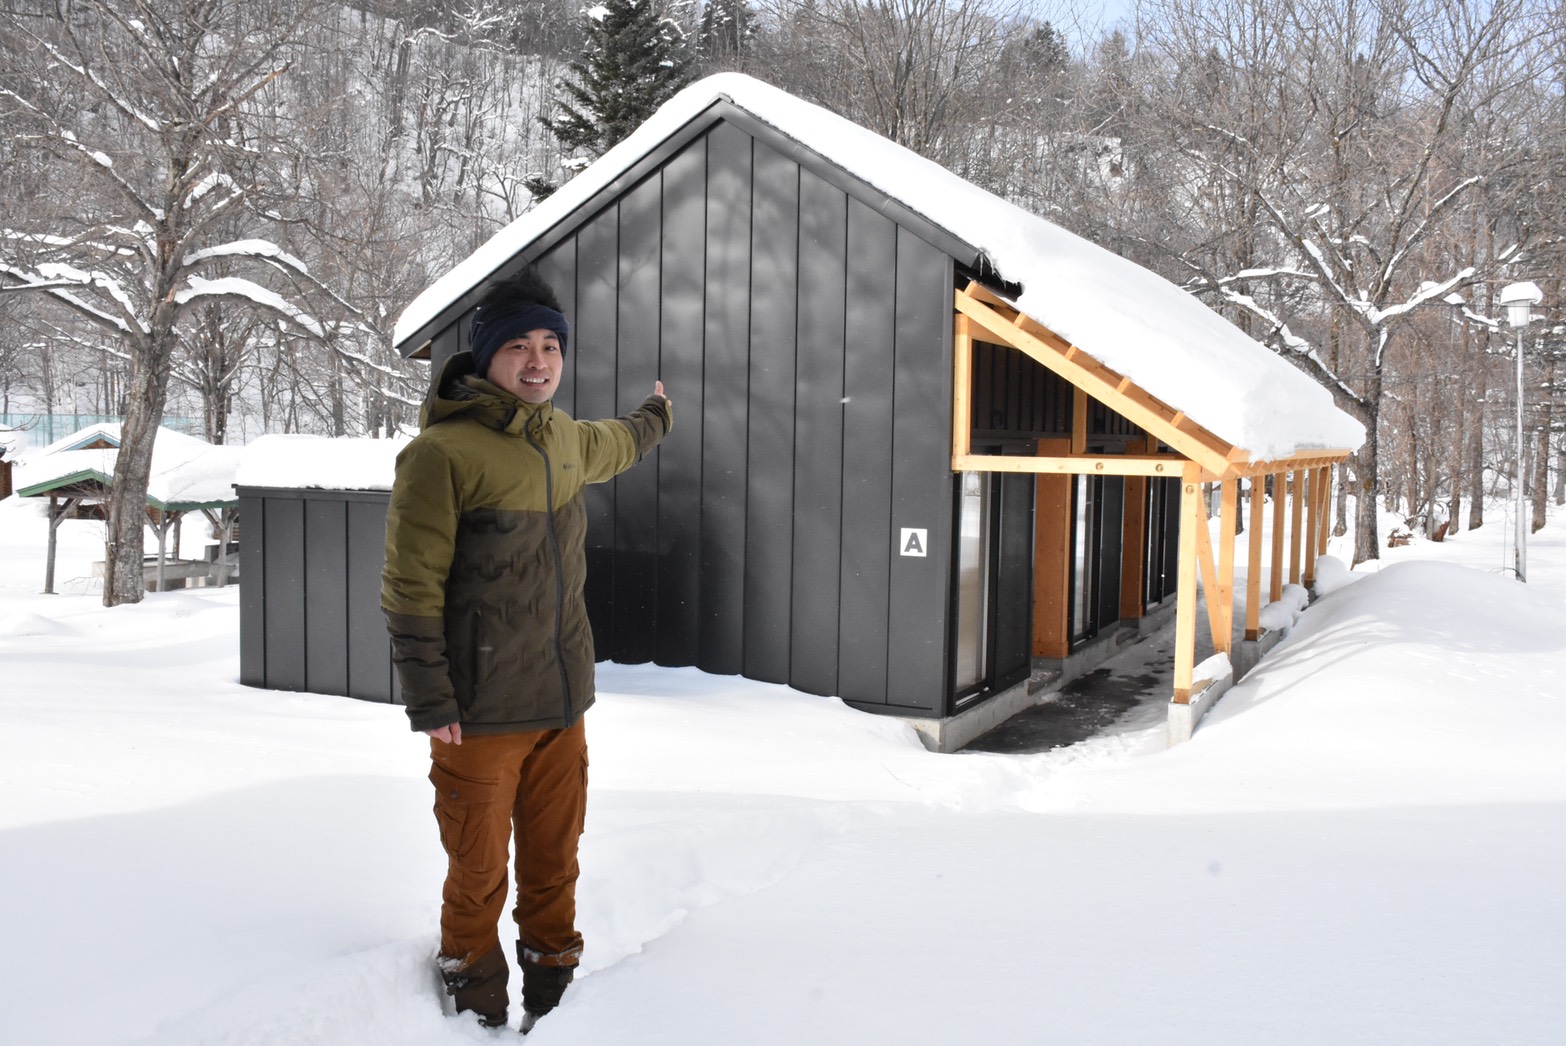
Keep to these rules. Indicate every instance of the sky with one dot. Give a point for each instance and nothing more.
(1362, 843)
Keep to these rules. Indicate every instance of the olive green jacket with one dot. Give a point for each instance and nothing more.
(485, 558)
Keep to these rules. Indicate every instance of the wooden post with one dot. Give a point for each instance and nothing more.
(1208, 570)
(1228, 513)
(1296, 507)
(1052, 558)
(1325, 509)
(962, 388)
(1192, 521)
(1280, 485)
(1253, 564)
(1314, 488)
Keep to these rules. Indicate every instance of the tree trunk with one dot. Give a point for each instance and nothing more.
(1560, 475)
(1541, 457)
(1454, 500)
(1367, 529)
(1541, 474)
(1475, 470)
(1340, 500)
(124, 547)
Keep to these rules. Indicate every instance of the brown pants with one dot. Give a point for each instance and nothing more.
(490, 785)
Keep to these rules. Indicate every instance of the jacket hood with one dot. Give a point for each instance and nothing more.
(458, 391)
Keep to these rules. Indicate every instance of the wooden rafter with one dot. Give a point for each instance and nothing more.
(1308, 460)
(1192, 453)
(1010, 327)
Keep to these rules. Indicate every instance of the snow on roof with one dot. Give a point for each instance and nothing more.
(1127, 317)
(186, 471)
(294, 461)
(104, 430)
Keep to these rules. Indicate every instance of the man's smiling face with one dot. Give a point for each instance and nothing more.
(529, 367)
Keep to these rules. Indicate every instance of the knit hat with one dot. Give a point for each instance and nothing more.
(511, 309)
(495, 325)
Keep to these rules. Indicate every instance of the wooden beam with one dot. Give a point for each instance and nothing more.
(1280, 485)
(1253, 563)
(1098, 381)
(1192, 522)
(1209, 569)
(1076, 464)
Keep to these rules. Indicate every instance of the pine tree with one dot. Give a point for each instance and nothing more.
(635, 59)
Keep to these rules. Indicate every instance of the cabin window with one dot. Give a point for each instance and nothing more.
(1098, 505)
(973, 581)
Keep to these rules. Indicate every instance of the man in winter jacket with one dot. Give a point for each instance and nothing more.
(483, 598)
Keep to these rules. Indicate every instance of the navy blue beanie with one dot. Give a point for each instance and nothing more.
(500, 322)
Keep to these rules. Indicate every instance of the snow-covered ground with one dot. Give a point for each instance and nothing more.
(1365, 842)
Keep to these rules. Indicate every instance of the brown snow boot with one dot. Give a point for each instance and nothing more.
(479, 986)
(542, 987)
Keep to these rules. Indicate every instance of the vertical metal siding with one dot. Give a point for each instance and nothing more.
(867, 543)
(805, 339)
(818, 436)
(678, 460)
(558, 269)
(769, 520)
(725, 393)
(369, 647)
(326, 596)
(635, 583)
(596, 326)
(922, 485)
(252, 593)
(285, 580)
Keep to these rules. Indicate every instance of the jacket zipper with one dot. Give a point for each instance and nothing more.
(554, 547)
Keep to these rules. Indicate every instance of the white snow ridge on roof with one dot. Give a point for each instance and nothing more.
(1128, 318)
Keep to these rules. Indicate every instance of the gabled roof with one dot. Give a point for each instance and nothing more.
(1129, 319)
(187, 473)
(105, 432)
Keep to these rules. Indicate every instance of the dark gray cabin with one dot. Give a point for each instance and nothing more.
(803, 524)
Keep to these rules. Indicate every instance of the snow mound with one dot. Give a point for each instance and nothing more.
(1332, 574)
(24, 624)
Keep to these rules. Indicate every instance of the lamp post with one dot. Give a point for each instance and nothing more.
(1519, 299)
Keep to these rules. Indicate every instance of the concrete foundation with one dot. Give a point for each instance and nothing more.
(1243, 656)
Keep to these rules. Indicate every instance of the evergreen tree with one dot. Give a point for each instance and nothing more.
(635, 58)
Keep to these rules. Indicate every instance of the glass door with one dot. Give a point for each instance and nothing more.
(973, 581)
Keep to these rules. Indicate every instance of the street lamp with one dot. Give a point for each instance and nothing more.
(1519, 299)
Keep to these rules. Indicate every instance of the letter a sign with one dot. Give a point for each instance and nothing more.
(915, 541)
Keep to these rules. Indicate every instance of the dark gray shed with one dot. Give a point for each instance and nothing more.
(884, 481)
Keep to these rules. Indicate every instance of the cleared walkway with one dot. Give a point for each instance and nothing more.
(1128, 692)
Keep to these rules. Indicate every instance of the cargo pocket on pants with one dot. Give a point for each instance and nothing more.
(460, 804)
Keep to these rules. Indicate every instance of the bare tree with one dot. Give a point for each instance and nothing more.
(1353, 169)
(145, 107)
